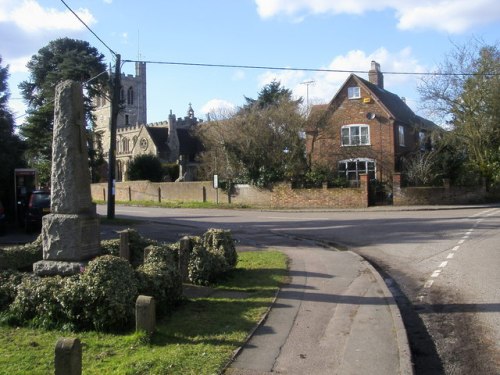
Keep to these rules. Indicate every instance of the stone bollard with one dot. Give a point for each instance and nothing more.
(124, 245)
(184, 251)
(68, 357)
(145, 314)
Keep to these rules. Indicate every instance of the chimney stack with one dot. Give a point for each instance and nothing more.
(375, 76)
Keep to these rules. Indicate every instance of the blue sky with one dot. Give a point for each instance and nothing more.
(402, 35)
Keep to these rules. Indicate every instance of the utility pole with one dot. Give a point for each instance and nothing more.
(115, 85)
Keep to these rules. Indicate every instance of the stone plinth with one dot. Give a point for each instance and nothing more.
(70, 237)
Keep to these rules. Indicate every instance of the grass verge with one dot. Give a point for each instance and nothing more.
(199, 337)
(178, 204)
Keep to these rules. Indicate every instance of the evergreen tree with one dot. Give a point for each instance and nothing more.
(60, 60)
(12, 147)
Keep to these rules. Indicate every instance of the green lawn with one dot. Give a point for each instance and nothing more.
(199, 337)
(178, 204)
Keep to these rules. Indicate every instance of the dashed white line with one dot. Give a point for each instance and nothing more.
(450, 256)
(455, 248)
(461, 241)
(443, 264)
(436, 273)
(428, 284)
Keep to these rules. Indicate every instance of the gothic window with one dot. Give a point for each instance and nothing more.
(127, 120)
(130, 96)
(125, 145)
(122, 95)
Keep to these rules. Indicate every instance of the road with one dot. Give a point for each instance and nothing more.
(441, 264)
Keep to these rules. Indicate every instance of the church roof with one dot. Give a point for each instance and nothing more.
(159, 135)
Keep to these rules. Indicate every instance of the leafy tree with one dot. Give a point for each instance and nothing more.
(60, 60)
(145, 167)
(471, 104)
(259, 144)
(273, 94)
(12, 147)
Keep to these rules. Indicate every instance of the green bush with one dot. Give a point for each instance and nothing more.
(221, 240)
(205, 266)
(21, 257)
(137, 244)
(110, 293)
(159, 277)
(9, 281)
(37, 302)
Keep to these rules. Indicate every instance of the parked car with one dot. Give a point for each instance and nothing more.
(3, 219)
(37, 205)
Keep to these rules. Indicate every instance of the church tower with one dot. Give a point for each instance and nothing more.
(133, 105)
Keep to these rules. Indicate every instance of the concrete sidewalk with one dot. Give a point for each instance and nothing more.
(336, 316)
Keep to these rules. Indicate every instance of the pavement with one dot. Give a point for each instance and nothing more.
(334, 316)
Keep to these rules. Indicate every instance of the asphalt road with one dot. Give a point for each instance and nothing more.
(441, 264)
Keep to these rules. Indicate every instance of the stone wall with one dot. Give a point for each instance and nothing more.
(281, 196)
(446, 194)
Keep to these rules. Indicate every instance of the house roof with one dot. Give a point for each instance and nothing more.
(159, 135)
(188, 143)
(392, 104)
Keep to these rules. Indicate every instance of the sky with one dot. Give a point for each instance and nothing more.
(410, 36)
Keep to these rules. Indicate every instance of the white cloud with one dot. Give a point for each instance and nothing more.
(218, 107)
(238, 75)
(18, 65)
(326, 84)
(455, 16)
(31, 17)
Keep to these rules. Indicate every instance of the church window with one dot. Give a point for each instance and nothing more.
(122, 95)
(130, 96)
(127, 120)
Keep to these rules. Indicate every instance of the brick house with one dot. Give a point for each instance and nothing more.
(365, 129)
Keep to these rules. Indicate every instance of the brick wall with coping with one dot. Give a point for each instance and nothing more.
(446, 194)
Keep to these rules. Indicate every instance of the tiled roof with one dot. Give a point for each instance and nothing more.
(159, 135)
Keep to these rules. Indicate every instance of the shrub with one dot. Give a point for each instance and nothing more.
(145, 167)
(37, 302)
(9, 281)
(205, 266)
(22, 257)
(159, 277)
(219, 240)
(110, 293)
(137, 244)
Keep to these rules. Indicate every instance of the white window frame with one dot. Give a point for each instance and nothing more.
(401, 132)
(352, 137)
(370, 168)
(354, 92)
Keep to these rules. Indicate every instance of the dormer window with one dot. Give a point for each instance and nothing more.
(354, 92)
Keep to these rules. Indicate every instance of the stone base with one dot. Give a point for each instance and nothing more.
(52, 268)
(70, 238)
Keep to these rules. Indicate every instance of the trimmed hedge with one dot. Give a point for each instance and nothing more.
(159, 277)
(137, 244)
(21, 257)
(213, 255)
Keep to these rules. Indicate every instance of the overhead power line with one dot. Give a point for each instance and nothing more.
(84, 24)
(262, 67)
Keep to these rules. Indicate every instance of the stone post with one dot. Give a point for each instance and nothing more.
(145, 314)
(70, 233)
(124, 245)
(68, 357)
(184, 251)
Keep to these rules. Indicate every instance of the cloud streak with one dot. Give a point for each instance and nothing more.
(454, 17)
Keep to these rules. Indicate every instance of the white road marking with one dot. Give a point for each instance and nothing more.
(428, 284)
(443, 264)
(461, 242)
(436, 273)
(450, 256)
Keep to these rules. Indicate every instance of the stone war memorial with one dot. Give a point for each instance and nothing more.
(70, 233)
